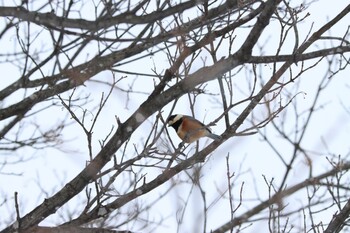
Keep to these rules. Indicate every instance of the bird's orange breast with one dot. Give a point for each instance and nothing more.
(190, 131)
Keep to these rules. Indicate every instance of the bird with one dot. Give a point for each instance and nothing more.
(189, 129)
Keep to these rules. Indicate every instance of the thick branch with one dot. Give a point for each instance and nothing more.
(299, 57)
(50, 19)
(339, 219)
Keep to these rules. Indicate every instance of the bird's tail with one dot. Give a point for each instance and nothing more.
(214, 136)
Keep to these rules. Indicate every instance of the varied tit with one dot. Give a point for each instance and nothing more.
(190, 129)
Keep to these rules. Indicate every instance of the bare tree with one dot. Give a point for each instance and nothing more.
(100, 78)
